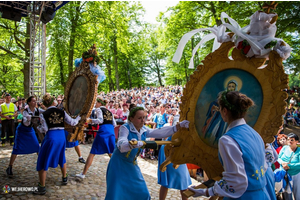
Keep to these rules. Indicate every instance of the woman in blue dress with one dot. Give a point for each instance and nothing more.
(241, 152)
(105, 138)
(52, 152)
(124, 179)
(26, 141)
(172, 178)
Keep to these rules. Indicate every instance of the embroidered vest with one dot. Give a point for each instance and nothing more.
(54, 117)
(252, 147)
(131, 155)
(7, 112)
(107, 116)
(36, 113)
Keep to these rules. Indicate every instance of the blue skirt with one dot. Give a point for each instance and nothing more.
(124, 180)
(70, 144)
(52, 150)
(26, 141)
(105, 140)
(172, 178)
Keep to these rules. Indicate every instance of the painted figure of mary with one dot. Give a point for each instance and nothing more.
(214, 126)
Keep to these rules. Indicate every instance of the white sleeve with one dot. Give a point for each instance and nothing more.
(43, 128)
(234, 181)
(41, 110)
(163, 132)
(123, 144)
(271, 154)
(70, 120)
(99, 119)
(114, 122)
(25, 121)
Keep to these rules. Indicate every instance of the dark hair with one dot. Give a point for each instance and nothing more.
(133, 111)
(293, 135)
(132, 105)
(236, 102)
(29, 99)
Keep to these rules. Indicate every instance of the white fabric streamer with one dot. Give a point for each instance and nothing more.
(259, 33)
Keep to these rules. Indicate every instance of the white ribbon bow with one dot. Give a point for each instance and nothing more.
(257, 42)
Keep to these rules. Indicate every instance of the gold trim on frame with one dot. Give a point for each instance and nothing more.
(76, 133)
(272, 80)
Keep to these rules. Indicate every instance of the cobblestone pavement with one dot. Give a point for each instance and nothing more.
(92, 187)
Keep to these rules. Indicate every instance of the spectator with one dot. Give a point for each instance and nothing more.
(140, 104)
(8, 112)
(111, 106)
(24, 102)
(289, 159)
(125, 112)
(59, 103)
(293, 103)
(161, 118)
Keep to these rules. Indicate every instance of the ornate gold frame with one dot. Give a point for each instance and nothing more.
(272, 80)
(76, 133)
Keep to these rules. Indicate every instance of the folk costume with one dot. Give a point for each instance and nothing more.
(105, 139)
(242, 154)
(172, 178)
(123, 174)
(26, 141)
(52, 150)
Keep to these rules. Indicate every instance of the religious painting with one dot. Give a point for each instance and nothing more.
(80, 97)
(262, 82)
(77, 95)
(208, 121)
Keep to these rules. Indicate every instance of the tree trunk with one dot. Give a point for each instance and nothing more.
(110, 81)
(74, 21)
(116, 62)
(129, 79)
(61, 69)
(158, 75)
(26, 65)
(214, 12)
(185, 70)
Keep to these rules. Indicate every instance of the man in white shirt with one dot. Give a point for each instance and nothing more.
(140, 103)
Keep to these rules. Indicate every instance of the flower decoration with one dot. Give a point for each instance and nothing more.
(244, 46)
(90, 56)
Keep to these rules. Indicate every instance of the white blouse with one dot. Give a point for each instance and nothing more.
(234, 174)
(99, 119)
(27, 116)
(43, 128)
(123, 143)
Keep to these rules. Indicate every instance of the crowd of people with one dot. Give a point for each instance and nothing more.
(148, 114)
